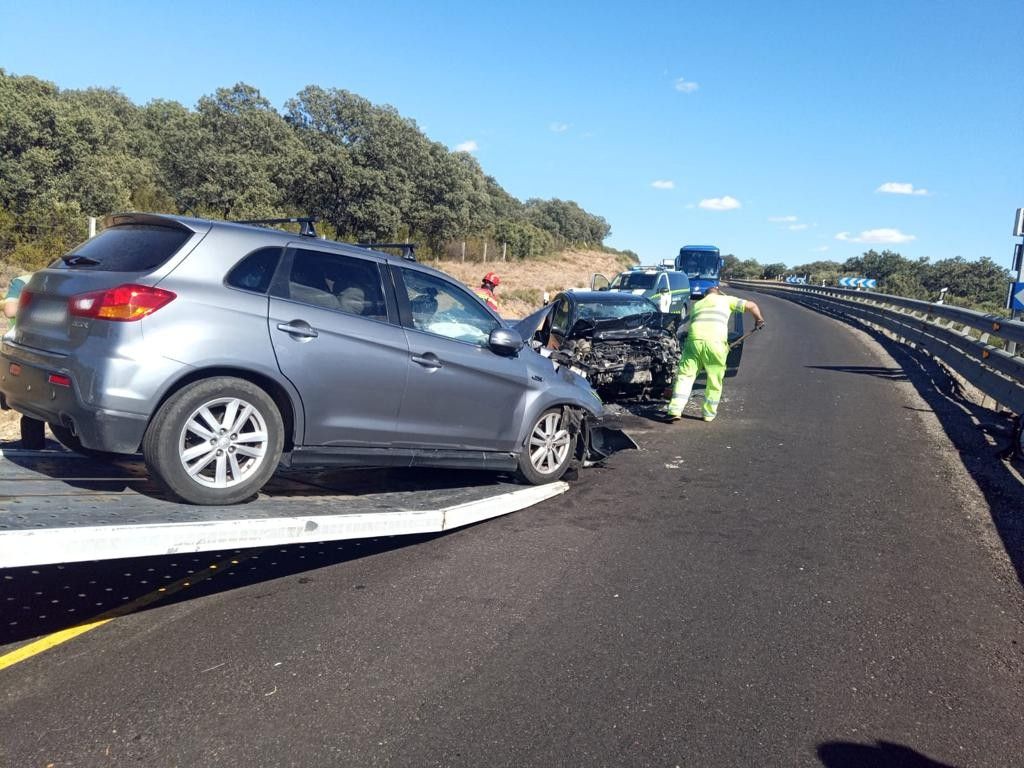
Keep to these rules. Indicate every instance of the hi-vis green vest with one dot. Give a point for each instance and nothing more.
(709, 320)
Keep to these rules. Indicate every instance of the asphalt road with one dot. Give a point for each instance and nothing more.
(813, 579)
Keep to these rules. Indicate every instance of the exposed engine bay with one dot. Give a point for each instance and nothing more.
(637, 366)
(623, 346)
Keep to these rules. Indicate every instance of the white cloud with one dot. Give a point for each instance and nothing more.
(467, 146)
(884, 236)
(663, 184)
(559, 127)
(685, 86)
(820, 249)
(782, 219)
(797, 227)
(726, 203)
(900, 188)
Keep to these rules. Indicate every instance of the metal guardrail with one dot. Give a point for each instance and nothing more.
(993, 370)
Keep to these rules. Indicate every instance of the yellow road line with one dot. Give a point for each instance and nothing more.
(57, 638)
(45, 643)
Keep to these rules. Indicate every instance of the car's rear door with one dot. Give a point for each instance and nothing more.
(680, 287)
(661, 295)
(338, 341)
(460, 394)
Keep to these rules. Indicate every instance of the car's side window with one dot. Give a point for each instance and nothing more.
(255, 271)
(560, 318)
(662, 285)
(675, 281)
(335, 281)
(439, 307)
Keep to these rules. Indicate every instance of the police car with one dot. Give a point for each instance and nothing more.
(668, 288)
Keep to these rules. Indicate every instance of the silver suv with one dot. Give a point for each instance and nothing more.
(220, 349)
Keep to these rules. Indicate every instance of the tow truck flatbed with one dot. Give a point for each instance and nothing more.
(59, 507)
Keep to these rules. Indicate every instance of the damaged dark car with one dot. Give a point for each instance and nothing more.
(619, 342)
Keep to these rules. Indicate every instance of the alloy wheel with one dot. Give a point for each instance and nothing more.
(549, 444)
(223, 442)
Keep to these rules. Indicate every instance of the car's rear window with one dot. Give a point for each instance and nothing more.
(678, 281)
(255, 271)
(126, 248)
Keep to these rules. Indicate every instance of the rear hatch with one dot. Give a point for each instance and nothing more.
(68, 301)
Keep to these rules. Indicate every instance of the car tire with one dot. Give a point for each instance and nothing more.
(548, 450)
(215, 441)
(70, 440)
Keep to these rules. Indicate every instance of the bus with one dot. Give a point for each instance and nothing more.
(702, 264)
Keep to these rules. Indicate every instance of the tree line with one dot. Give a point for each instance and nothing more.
(980, 284)
(364, 170)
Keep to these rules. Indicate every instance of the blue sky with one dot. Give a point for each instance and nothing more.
(768, 129)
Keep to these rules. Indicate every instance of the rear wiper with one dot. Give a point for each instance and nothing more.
(73, 260)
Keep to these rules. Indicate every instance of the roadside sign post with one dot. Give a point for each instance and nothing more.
(1015, 296)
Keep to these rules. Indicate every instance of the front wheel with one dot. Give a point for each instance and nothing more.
(549, 448)
(215, 441)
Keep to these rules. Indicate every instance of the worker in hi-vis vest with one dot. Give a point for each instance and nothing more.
(486, 290)
(707, 347)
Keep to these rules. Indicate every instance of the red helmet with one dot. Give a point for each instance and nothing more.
(493, 279)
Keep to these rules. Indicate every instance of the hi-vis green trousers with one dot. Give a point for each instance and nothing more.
(711, 357)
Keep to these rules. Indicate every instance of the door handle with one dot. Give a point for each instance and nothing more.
(428, 360)
(299, 328)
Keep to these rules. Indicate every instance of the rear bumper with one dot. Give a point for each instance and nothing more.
(26, 389)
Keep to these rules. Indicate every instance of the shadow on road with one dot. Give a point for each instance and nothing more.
(968, 426)
(39, 600)
(883, 754)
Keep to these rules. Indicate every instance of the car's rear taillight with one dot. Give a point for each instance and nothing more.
(124, 303)
(24, 299)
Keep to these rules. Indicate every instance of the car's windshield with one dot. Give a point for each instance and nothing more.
(699, 263)
(632, 281)
(614, 310)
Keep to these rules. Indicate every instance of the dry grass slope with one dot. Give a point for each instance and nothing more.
(523, 282)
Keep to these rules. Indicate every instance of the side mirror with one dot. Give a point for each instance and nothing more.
(599, 283)
(505, 342)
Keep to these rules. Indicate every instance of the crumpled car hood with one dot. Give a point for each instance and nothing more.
(530, 324)
(644, 325)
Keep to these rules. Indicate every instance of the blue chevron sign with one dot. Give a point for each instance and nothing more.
(858, 282)
(1017, 296)
(794, 280)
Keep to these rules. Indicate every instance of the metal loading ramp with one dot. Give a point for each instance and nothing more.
(59, 507)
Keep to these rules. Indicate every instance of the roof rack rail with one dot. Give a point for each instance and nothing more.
(306, 229)
(408, 249)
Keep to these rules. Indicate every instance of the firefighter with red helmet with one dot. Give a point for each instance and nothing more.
(486, 290)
